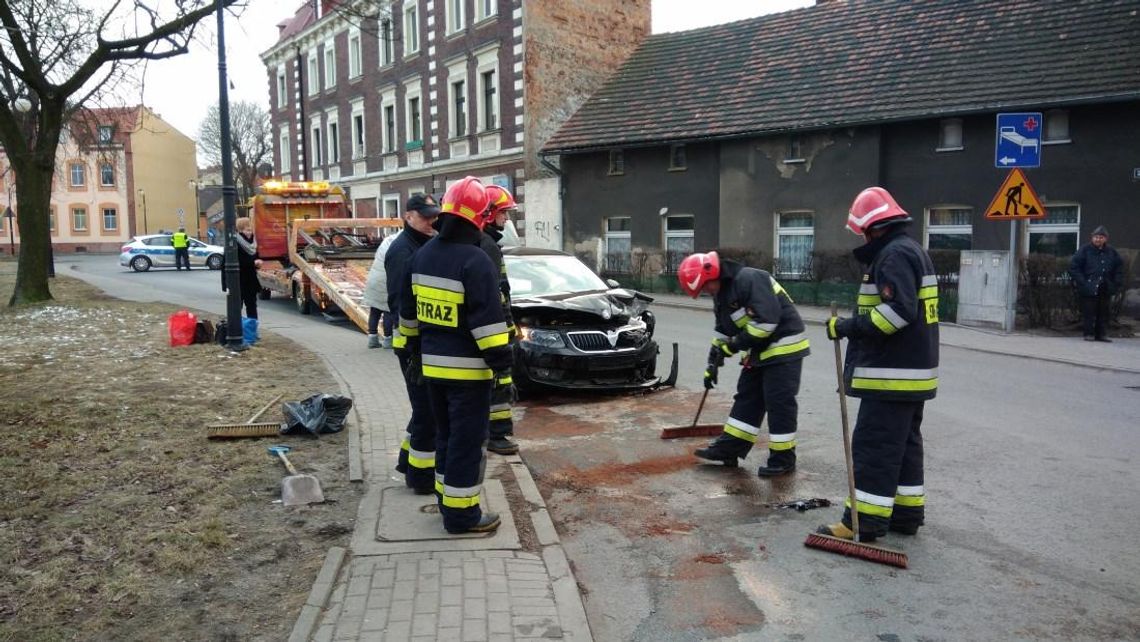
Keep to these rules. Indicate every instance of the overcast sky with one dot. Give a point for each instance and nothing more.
(182, 89)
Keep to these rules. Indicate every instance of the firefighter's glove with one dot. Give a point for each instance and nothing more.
(838, 328)
(414, 373)
(505, 386)
(710, 376)
(716, 356)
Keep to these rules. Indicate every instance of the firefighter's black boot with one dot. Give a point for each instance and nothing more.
(779, 463)
(725, 449)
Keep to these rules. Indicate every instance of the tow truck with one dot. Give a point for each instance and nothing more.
(312, 250)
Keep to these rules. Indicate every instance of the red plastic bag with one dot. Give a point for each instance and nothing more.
(182, 325)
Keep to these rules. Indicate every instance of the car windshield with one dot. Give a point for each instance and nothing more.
(540, 275)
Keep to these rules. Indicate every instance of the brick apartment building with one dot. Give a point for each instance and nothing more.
(429, 91)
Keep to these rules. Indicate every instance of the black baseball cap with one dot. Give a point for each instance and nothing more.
(419, 203)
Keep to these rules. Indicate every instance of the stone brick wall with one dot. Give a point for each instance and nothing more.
(570, 48)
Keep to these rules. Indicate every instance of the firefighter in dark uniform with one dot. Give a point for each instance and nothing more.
(452, 316)
(891, 365)
(417, 452)
(502, 425)
(754, 315)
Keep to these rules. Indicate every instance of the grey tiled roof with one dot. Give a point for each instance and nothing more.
(842, 63)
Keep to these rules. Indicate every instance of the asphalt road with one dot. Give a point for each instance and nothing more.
(1032, 513)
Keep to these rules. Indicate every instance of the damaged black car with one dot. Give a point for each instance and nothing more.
(576, 331)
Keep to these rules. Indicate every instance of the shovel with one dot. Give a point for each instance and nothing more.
(296, 489)
(694, 430)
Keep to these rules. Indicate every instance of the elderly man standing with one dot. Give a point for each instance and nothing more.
(1096, 272)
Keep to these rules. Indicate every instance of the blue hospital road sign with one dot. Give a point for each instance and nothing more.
(1018, 140)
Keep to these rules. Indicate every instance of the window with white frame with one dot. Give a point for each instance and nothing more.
(355, 68)
(950, 227)
(333, 139)
(283, 142)
(489, 105)
(110, 219)
(1059, 232)
(617, 253)
(389, 127)
(78, 175)
(459, 108)
(415, 122)
(106, 174)
(411, 30)
(485, 8)
(79, 219)
(358, 129)
(282, 90)
(391, 206)
(1056, 128)
(949, 135)
(795, 241)
(387, 46)
(315, 143)
(678, 240)
(793, 151)
(455, 17)
(330, 64)
(314, 74)
(105, 133)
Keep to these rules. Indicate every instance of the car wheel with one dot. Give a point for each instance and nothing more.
(301, 298)
(140, 264)
(264, 294)
(214, 261)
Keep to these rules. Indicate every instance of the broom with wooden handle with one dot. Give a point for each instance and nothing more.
(248, 429)
(831, 544)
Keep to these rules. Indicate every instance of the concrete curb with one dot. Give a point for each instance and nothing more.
(319, 595)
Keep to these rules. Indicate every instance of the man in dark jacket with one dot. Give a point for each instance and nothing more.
(892, 366)
(754, 315)
(417, 452)
(1096, 271)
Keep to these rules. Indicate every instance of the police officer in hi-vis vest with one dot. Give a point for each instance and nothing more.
(181, 242)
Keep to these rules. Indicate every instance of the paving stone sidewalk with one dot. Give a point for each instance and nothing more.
(403, 577)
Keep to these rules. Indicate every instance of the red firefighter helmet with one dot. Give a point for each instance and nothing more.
(467, 199)
(874, 206)
(696, 270)
(499, 200)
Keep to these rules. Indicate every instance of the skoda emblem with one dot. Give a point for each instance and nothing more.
(605, 314)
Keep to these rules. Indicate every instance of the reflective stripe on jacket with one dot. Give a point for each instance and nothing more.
(452, 304)
(756, 307)
(892, 350)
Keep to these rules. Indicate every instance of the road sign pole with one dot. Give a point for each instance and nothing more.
(1011, 303)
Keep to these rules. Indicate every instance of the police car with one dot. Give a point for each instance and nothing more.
(157, 250)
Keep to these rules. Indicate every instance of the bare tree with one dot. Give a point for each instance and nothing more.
(250, 139)
(56, 57)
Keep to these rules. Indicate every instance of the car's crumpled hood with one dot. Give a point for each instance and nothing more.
(618, 303)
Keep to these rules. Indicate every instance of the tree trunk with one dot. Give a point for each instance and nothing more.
(33, 187)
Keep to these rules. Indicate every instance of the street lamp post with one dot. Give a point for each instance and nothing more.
(11, 216)
(193, 184)
(234, 335)
(142, 193)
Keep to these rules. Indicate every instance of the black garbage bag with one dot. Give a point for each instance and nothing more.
(318, 414)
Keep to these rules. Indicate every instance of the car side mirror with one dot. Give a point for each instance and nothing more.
(612, 283)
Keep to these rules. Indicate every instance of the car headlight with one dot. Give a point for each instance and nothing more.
(544, 338)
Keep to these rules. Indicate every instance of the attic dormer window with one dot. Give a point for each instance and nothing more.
(617, 162)
(105, 133)
(950, 135)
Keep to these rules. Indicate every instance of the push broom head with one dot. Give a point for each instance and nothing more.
(869, 552)
(239, 431)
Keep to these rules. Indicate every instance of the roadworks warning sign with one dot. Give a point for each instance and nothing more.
(1015, 199)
